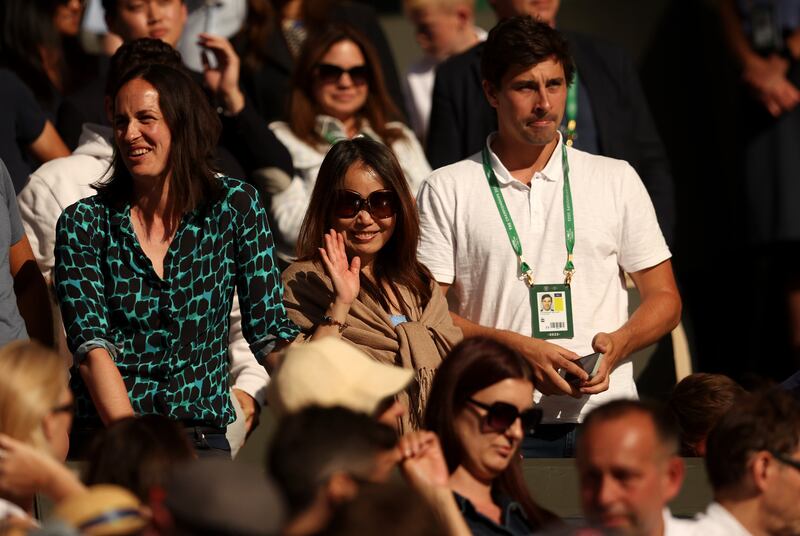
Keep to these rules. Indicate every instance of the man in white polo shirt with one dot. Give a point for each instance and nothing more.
(530, 216)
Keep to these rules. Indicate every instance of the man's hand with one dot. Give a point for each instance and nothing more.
(766, 77)
(422, 460)
(547, 358)
(223, 80)
(611, 346)
(251, 409)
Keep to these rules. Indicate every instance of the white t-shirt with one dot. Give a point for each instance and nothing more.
(464, 243)
(674, 526)
(717, 521)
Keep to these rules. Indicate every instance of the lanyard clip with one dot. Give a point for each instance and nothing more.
(528, 278)
(568, 276)
(527, 273)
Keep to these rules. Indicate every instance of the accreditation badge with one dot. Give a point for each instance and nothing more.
(551, 306)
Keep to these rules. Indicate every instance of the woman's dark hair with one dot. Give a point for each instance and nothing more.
(194, 128)
(523, 41)
(136, 453)
(303, 109)
(396, 263)
(27, 32)
(699, 401)
(475, 364)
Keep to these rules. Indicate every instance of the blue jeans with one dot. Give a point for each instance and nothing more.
(550, 441)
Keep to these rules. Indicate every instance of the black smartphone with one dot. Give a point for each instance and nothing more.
(589, 363)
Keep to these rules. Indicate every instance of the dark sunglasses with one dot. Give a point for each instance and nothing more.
(330, 74)
(380, 204)
(785, 459)
(500, 416)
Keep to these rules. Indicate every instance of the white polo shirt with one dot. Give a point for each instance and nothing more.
(463, 243)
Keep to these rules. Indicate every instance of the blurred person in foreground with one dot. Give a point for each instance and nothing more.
(699, 401)
(137, 454)
(753, 465)
(35, 417)
(146, 270)
(65, 181)
(389, 509)
(480, 407)
(337, 93)
(443, 28)
(321, 457)
(629, 469)
(331, 372)
(213, 497)
(365, 284)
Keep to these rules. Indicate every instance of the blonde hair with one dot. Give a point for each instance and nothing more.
(412, 5)
(32, 380)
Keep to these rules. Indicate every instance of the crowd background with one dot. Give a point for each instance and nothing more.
(728, 275)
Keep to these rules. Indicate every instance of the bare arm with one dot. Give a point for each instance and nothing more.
(48, 145)
(105, 384)
(658, 313)
(31, 291)
(546, 358)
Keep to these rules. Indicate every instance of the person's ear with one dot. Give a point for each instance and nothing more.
(340, 488)
(676, 471)
(491, 93)
(761, 466)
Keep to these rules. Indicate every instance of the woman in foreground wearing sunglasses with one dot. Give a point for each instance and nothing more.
(480, 406)
(337, 93)
(365, 284)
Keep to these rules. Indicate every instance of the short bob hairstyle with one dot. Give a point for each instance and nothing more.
(194, 128)
(32, 379)
(475, 364)
(396, 263)
(303, 108)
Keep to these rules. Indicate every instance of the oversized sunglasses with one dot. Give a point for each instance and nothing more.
(501, 415)
(330, 74)
(380, 204)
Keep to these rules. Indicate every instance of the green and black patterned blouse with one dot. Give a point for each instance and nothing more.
(169, 337)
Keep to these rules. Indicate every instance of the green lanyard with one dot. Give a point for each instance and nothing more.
(572, 112)
(511, 230)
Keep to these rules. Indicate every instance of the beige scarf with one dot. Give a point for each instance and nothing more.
(419, 344)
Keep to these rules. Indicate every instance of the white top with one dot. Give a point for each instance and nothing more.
(10, 510)
(677, 527)
(717, 521)
(58, 184)
(464, 243)
(418, 90)
(288, 208)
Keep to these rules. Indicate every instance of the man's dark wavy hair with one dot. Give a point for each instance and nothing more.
(523, 41)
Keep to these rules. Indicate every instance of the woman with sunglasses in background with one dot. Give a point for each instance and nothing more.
(480, 406)
(358, 276)
(337, 93)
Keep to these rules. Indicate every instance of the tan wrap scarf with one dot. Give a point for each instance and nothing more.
(419, 344)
